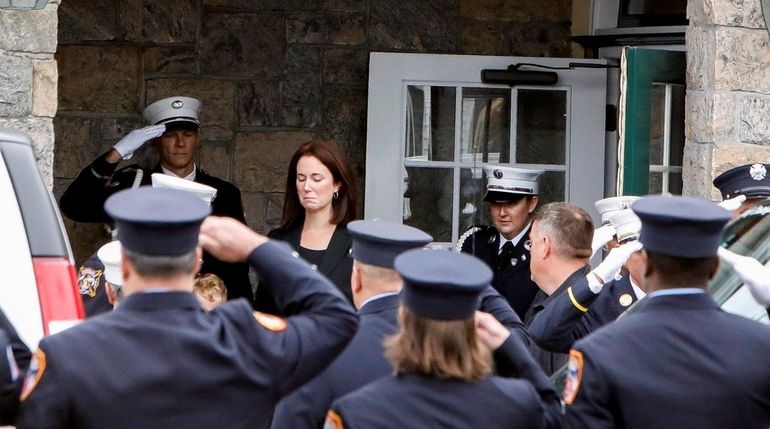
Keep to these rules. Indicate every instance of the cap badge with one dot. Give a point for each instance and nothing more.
(177, 104)
(498, 173)
(625, 300)
(757, 171)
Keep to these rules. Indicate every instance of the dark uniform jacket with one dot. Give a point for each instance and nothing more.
(512, 276)
(565, 319)
(160, 361)
(83, 201)
(552, 361)
(336, 264)
(363, 360)
(675, 361)
(416, 401)
(12, 369)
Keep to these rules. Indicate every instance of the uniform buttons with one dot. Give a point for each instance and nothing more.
(314, 266)
(295, 254)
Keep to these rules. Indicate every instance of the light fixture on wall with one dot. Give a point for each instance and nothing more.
(23, 4)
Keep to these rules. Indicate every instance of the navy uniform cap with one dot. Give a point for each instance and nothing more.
(379, 242)
(440, 284)
(680, 226)
(156, 221)
(750, 180)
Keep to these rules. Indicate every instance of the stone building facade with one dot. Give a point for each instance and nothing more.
(728, 91)
(272, 74)
(28, 78)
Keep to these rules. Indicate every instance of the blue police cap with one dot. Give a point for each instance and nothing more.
(680, 226)
(750, 180)
(440, 284)
(379, 242)
(156, 221)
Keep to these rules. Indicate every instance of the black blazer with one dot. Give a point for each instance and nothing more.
(336, 264)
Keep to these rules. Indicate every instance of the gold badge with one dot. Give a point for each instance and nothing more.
(273, 323)
(625, 300)
(88, 281)
(573, 377)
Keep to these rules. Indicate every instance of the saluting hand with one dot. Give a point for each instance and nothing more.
(227, 239)
(755, 275)
(136, 139)
(602, 236)
(490, 331)
(733, 203)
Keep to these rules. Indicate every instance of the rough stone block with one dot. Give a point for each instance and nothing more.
(28, 31)
(259, 103)
(483, 38)
(99, 78)
(701, 47)
(755, 120)
(217, 114)
(262, 158)
(89, 20)
(346, 66)
(300, 84)
(738, 13)
(242, 44)
(45, 77)
(710, 116)
(742, 60)
(130, 20)
(170, 21)
(531, 39)
(15, 86)
(516, 10)
(85, 238)
(301, 116)
(274, 210)
(114, 129)
(255, 207)
(700, 12)
(40, 130)
(328, 29)
(344, 5)
(274, 5)
(176, 59)
(422, 26)
(215, 159)
(344, 114)
(696, 169)
(77, 145)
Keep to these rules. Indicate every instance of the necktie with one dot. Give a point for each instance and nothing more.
(505, 255)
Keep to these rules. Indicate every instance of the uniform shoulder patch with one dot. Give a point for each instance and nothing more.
(273, 323)
(466, 234)
(573, 377)
(333, 421)
(34, 373)
(88, 281)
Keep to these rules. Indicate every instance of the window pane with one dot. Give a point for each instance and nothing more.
(676, 150)
(486, 125)
(551, 187)
(657, 122)
(541, 127)
(428, 201)
(656, 183)
(473, 209)
(430, 123)
(675, 183)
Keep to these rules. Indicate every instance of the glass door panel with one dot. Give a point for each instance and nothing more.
(428, 201)
(541, 126)
(486, 125)
(430, 123)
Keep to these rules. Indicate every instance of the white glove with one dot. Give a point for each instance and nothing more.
(602, 236)
(135, 139)
(610, 267)
(754, 275)
(733, 203)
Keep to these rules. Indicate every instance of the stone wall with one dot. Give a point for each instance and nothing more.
(28, 78)
(272, 74)
(728, 91)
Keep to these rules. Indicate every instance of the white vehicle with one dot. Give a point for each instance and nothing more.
(39, 294)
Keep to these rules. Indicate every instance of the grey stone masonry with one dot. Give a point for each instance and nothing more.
(728, 91)
(272, 74)
(28, 78)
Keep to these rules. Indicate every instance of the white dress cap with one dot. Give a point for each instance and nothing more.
(173, 109)
(110, 255)
(204, 192)
(507, 183)
(607, 206)
(627, 224)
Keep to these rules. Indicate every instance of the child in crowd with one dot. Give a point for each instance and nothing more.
(210, 290)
